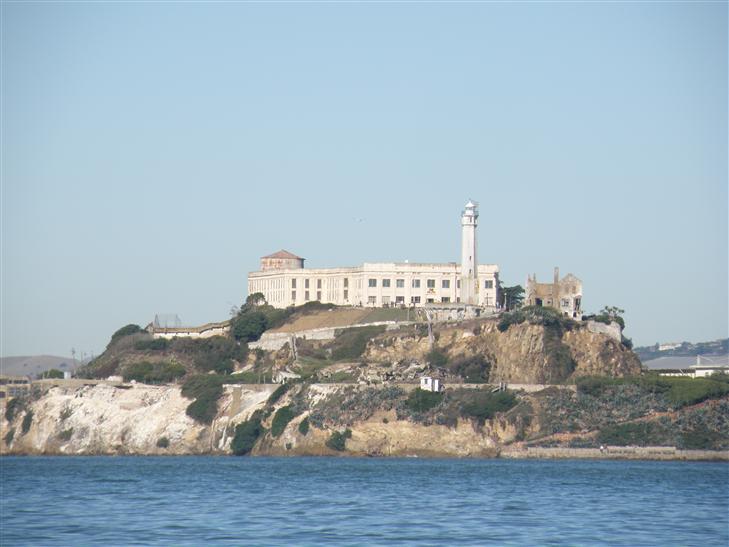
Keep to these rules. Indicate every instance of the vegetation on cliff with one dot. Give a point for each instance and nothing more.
(642, 411)
(205, 389)
(154, 373)
(338, 440)
(246, 434)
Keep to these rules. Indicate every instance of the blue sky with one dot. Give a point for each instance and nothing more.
(152, 152)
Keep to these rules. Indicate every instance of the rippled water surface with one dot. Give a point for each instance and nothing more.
(343, 501)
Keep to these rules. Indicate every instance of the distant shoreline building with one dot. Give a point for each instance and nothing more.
(284, 281)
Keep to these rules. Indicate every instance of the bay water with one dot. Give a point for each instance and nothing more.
(359, 501)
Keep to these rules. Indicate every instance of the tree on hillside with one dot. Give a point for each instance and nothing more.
(613, 313)
(511, 298)
(255, 299)
(248, 326)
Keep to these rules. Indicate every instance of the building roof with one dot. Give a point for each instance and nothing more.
(283, 254)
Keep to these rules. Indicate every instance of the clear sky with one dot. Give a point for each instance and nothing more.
(152, 152)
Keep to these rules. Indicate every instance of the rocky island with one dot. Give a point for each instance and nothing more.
(528, 383)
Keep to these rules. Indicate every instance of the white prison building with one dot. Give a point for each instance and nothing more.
(284, 281)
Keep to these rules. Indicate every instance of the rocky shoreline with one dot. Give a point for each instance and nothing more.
(140, 419)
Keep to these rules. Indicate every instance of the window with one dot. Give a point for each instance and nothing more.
(293, 283)
(318, 295)
(372, 282)
(446, 284)
(318, 283)
(306, 295)
(371, 299)
(346, 294)
(415, 299)
(346, 282)
(293, 296)
(399, 283)
(306, 283)
(458, 283)
(565, 303)
(429, 300)
(416, 283)
(386, 283)
(399, 300)
(488, 284)
(385, 300)
(445, 299)
(431, 283)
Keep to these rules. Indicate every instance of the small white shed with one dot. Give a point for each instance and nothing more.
(430, 384)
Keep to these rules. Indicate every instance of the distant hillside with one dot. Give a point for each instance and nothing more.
(685, 349)
(34, 365)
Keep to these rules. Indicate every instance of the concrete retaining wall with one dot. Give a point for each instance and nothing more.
(274, 341)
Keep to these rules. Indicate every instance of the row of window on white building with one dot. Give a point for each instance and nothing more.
(399, 283)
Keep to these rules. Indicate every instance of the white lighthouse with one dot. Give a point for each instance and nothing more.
(469, 263)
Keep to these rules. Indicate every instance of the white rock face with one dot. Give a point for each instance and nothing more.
(612, 330)
(136, 419)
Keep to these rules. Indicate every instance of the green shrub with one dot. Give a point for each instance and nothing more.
(633, 434)
(422, 401)
(534, 315)
(14, 405)
(304, 426)
(249, 325)
(595, 385)
(510, 318)
(27, 421)
(474, 370)
(126, 331)
(163, 442)
(153, 344)
(436, 358)
(351, 343)
(720, 377)
(206, 389)
(701, 438)
(153, 373)
(277, 394)
(340, 377)
(216, 354)
(337, 441)
(9, 437)
(245, 377)
(689, 391)
(138, 371)
(53, 374)
(246, 435)
(281, 419)
(66, 434)
(483, 405)
(313, 306)
(275, 317)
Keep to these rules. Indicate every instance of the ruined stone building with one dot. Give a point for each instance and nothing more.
(564, 295)
(284, 281)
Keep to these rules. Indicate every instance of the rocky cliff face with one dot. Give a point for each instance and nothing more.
(151, 420)
(524, 353)
(141, 419)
